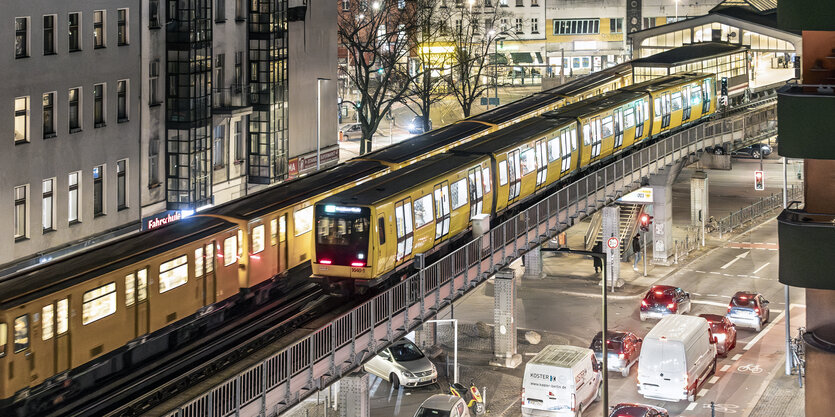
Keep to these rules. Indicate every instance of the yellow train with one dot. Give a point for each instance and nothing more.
(371, 231)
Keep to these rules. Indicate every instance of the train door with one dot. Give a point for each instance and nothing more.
(541, 162)
(514, 175)
(476, 192)
(685, 103)
(204, 271)
(706, 89)
(618, 113)
(595, 138)
(405, 228)
(282, 243)
(665, 110)
(136, 300)
(55, 328)
(441, 193)
(21, 359)
(565, 149)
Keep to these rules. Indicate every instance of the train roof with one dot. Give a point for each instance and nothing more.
(393, 183)
(665, 82)
(508, 136)
(593, 106)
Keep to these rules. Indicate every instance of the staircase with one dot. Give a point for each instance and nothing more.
(629, 214)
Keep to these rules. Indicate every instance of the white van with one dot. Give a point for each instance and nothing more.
(560, 380)
(677, 356)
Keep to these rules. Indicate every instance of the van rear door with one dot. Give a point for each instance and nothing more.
(547, 387)
(662, 369)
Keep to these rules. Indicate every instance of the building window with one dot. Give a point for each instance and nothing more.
(48, 206)
(534, 3)
(98, 105)
(21, 119)
(503, 3)
(173, 274)
(240, 10)
(401, 4)
(122, 33)
(219, 154)
(616, 25)
(153, 83)
(98, 303)
(458, 27)
(153, 14)
(520, 3)
(240, 150)
(576, 26)
(98, 190)
(48, 115)
(153, 162)
(74, 210)
(73, 31)
(49, 34)
(98, 29)
(518, 25)
(122, 101)
(21, 37)
(503, 23)
(220, 11)
(75, 109)
(346, 5)
(20, 212)
(534, 25)
(649, 22)
(121, 184)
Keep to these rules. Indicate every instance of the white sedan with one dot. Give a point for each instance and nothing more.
(403, 364)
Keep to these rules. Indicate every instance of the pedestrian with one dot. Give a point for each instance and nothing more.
(598, 263)
(636, 249)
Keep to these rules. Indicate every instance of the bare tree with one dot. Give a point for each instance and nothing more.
(474, 31)
(375, 35)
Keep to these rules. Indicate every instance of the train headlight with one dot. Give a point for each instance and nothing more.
(360, 255)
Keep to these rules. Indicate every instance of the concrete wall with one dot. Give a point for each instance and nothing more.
(152, 185)
(30, 163)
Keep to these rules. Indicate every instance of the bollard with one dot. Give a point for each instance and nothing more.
(484, 397)
(712, 409)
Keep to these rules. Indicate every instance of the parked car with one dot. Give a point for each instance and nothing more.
(748, 309)
(753, 151)
(353, 131)
(637, 410)
(416, 125)
(662, 300)
(443, 405)
(560, 381)
(623, 349)
(677, 357)
(723, 330)
(403, 364)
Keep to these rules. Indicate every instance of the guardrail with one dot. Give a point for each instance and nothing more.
(759, 208)
(690, 242)
(322, 357)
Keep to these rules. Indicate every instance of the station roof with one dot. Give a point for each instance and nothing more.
(689, 53)
(756, 5)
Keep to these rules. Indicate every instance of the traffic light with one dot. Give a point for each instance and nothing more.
(645, 220)
(724, 86)
(759, 181)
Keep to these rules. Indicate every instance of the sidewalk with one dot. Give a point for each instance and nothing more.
(781, 398)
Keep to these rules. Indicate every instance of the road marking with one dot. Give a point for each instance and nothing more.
(716, 273)
(742, 276)
(738, 257)
(710, 303)
(772, 249)
(713, 380)
(701, 272)
(736, 357)
(531, 353)
(761, 268)
(713, 295)
(749, 245)
(691, 407)
(702, 393)
(725, 368)
(764, 331)
(727, 275)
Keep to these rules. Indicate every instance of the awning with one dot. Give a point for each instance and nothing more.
(539, 59)
(497, 59)
(522, 57)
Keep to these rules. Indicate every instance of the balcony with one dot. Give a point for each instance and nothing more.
(805, 15)
(806, 124)
(806, 242)
(231, 101)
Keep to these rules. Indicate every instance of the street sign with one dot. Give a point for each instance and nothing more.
(612, 243)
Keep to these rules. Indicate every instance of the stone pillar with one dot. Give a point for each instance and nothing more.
(504, 316)
(662, 213)
(533, 264)
(426, 338)
(699, 198)
(353, 397)
(611, 228)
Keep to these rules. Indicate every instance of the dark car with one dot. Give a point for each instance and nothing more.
(638, 410)
(748, 309)
(663, 300)
(353, 131)
(753, 151)
(724, 331)
(416, 125)
(623, 350)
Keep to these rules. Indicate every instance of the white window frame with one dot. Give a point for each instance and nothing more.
(301, 216)
(77, 197)
(127, 27)
(52, 194)
(258, 237)
(230, 250)
(173, 273)
(103, 29)
(25, 193)
(27, 118)
(107, 295)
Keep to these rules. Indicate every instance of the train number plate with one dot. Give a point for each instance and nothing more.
(360, 270)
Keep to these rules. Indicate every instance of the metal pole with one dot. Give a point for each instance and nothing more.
(391, 119)
(644, 249)
(455, 350)
(786, 291)
(605, 340)
(562, 65)
(318, 122)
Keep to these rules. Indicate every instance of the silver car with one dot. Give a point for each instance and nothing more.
(442, 405)
(403, 364)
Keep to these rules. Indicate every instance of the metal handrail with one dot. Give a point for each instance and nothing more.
(323, 356)
(757, 209)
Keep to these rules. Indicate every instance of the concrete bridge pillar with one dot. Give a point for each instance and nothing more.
(533, 264)
(662, 213)
(354, 399)
(699, 198)
(504, 317)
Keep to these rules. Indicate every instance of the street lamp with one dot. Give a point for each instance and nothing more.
(375, 5)
(676, 2)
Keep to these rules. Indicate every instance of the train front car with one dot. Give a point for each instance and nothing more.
(342, 244)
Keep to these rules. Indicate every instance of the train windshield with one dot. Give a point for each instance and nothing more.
(342, 235)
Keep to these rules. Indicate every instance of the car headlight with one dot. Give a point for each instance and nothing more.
(411, 125)
(408, 374)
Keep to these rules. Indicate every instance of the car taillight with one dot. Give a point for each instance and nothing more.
(643, 303)
(358, 264)
(671, 306)
(325, 261)
(573, 402)
(523, 396)
(757, 310)
(729, 309)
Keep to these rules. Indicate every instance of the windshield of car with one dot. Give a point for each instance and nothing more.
(743, 301)
(661, 295)
(611, 345)
(431, 412)
(405, 352)
(629, 411)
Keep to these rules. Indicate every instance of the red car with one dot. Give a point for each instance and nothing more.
(662, 300)
(723, 330)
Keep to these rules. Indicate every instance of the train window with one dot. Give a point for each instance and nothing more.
(4, 335)
(258, 238)
(423, 211)
(381, 230)
(304, 220)
(458, 194)
(658, 107)
(98, 303)
(695, 95)
(63, 320)
(676, 101)
(282, 228)
(607, 127)
(173, 273)
(210, 257)
(47, 320)
(629, 117)
(553, 150)
(487, 180)
(528, 161)
(198, 262)
(142, 284)
(240, 236)
(586, 135)
(273, 232)
(230, 250)
(21, 333)
(130, 289)
(574, 139)
(502, 172)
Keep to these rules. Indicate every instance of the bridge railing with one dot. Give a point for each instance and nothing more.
(757, 209)
(319, 358)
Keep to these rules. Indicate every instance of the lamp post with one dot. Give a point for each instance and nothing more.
(496, 39)
(676, 2)
(319, 121)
